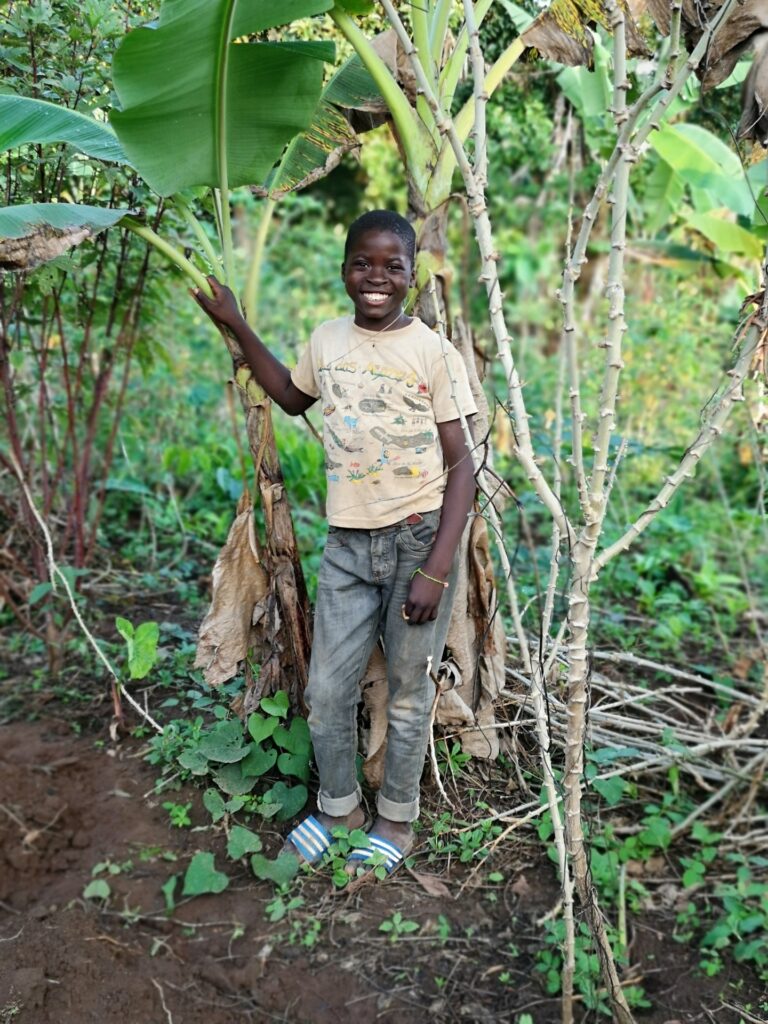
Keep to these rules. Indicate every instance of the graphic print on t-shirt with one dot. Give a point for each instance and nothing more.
(376, 402)
(382, 397)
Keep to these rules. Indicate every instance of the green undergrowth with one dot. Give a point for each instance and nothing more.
(720, 892)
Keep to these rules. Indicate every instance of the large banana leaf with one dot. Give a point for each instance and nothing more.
(37, 232)
(24, 120)
(315, 152)
(200, 109)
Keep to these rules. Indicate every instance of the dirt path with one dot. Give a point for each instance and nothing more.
(69, 802)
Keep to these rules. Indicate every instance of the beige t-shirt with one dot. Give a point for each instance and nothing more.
(382, 396)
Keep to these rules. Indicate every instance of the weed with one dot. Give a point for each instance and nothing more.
(451, 760)
(178, 813)
(464, 839)
(397, 926)
(282, 905)
(305, 933)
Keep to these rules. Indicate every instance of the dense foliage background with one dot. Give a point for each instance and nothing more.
(118, 409)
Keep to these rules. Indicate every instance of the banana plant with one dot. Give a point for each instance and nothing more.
(204, 109)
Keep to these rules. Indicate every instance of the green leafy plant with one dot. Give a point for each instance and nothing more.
(397, 926)
(141, 643)
(237, 763)
(202, 876)
(178, 813)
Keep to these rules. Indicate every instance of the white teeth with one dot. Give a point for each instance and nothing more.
(375, 296)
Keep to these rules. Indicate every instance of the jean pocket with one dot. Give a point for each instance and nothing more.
(335, 538)
(419, 537)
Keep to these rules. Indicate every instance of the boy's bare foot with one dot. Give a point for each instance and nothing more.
(398, 832)
(355, 819)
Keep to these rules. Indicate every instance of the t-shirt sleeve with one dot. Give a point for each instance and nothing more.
(450, 387)
(303, 374)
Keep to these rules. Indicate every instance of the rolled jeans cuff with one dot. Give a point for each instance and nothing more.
(396, 811)
(339, 807)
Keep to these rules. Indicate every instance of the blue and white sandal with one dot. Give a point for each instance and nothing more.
(311, 839)
(387, 853)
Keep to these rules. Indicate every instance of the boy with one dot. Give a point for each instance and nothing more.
(400, 487)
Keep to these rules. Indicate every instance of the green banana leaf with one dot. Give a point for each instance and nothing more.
(315, 152)
(706, 164)
(727, 236)
(664, 193)
(201, 109)
(35, 233)
(24, 120)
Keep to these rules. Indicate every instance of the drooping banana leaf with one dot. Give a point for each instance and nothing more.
(38, 232)
(203, 106)
(24, 120)
(316, 151)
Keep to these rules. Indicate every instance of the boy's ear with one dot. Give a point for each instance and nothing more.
(343, 266)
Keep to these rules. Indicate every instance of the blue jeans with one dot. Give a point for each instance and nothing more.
(362, 587)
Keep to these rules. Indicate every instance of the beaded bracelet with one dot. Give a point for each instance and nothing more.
(432, 579)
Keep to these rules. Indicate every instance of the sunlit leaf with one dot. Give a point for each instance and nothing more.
(144, 652)
(24, 120)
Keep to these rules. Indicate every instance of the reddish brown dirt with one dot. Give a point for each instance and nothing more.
(68, 802)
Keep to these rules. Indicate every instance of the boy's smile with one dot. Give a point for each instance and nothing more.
(377, 273)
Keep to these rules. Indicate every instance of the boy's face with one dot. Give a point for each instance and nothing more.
(377, 273)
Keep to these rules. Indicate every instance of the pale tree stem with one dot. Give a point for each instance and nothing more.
(479, 133)
(538, 692)
(583, 551)
(674, 41)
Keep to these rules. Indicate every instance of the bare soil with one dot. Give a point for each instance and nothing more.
(69, 801)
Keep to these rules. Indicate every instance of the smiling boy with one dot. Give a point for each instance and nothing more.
(400, 487)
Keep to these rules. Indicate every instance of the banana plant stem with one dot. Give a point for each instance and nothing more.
(169, 251)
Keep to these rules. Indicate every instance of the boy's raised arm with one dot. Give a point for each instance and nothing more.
(270, 373)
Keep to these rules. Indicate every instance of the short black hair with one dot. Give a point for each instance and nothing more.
(382, 220)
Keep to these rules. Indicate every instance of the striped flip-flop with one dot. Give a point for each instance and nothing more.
(311, 839)
(387, 853)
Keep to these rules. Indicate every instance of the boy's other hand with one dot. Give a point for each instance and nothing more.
(423, 601)
(222, 308)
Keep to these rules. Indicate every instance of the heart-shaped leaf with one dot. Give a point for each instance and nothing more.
(277, 704)
(261, 728)
(241, 841)
(295, 739)
(279, 871)
(294, 764)
(290, 798)
(258, 761)
(98, 889)
(230, 779)
(224, 742)
(202, 876)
